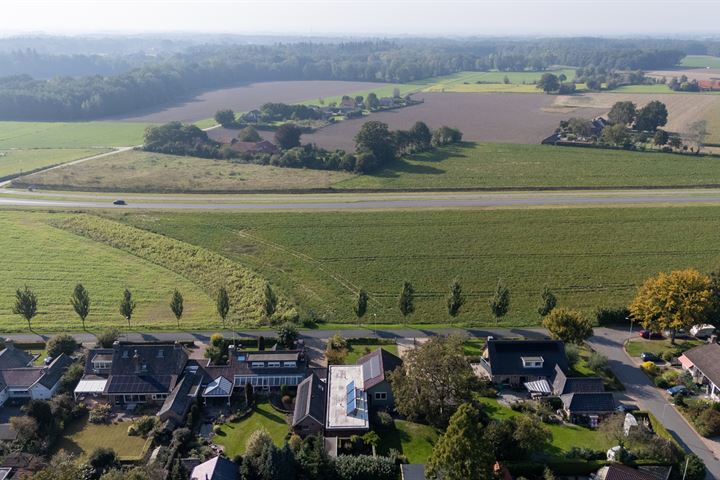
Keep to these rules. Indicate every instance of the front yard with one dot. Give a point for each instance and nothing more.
(82, 437)
(234, 436)
(635, 346)
(414, 440)
(357, 350)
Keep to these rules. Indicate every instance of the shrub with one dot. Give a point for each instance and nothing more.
(396, 457)
(108, 337)
(679, 401)
(217, 429)
(286, 399)
(660, 382)
(62, 343)
(361, 467)
(383, 420)
(586, 453)
(668, 355)
(572, 352)
(650, 368)
(142, 426)
(597, 362)
(611, 316)
(100, 413)
(707, 422)
(671, 376)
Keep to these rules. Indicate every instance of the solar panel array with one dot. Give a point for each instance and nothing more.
(353, 396)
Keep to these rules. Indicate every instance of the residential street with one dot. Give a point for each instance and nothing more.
(607, 341)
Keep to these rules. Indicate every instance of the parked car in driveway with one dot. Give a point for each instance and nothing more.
(626, 407)
(649, 357)
(678, 390)
(648, 335)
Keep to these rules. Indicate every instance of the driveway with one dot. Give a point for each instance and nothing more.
(609, 342)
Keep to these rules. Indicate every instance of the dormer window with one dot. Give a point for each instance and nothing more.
(273, 364)
(257, 364)
(532, 362)
(289, 364)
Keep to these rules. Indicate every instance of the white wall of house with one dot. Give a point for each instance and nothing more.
(41, 392)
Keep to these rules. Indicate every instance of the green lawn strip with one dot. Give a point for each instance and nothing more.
(700, 61)
(234, 436)
(590, 257)
(13, 162)
(656, 88)
(51, 261)
(414, 440)
(70, 135)
(82, 437)
(474, 347)
(357, 350)
(526, 77)
(636, 346)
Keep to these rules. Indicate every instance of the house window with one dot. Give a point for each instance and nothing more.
(134, 398)
(159, 396)
(257, 364)
(289, 364)
(380, 395)
(273, 364)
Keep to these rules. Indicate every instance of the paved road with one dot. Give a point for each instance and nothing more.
(384, 201)
(609, 342)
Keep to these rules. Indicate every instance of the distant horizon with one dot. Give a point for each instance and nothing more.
(369, 18)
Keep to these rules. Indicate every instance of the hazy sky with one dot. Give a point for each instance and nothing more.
(389, 17)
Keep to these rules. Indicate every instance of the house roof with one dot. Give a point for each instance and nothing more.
(220, 387)
(581, 403)
(182, 395)
(218, 468)
(623, 472)
(273, 356)
(375, 364)
(310, 400)
(55, 371)
(240, 364)
(11, 357)
(505, 357)
(564, 384)
(706, 358)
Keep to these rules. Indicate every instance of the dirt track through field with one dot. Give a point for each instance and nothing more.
(244, 98)
(495, 117)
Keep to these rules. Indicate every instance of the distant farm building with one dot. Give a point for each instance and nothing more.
(709, 85)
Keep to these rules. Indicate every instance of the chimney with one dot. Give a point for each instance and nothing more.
(231, 354)
(177, 345)
(136, 361)
(490, 337)
(116, 343)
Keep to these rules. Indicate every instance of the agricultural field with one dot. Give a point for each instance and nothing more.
(479, 165)
(52, 261)
(590, 257)
(70, 135)
(700, 61)
(469, 82)
(487, 117)
(137, 171)
(13, 162)
(247, 97)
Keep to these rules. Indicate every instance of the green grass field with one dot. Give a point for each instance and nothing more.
(506, 165)
(413, 440)
(700, 61)
(81, 438)
(355, 351)
(519, 82)
(637, 345)
(488, 165)
(589, 257)
(52, 261)
(234, 436)
(18, 161)
(70, 135)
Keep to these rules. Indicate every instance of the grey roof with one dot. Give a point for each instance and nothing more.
(179, 400)
(587, 403)
(375, 364)
(564, 384)
(310, 400)
(143, 369)
(623, 472)
(270, 356)
(240, 363)
(55, 371)
(218, 468)
(505, 357)
(706, 358)
(99, 353)
(11, 357)
(412, 471)
(21, 377)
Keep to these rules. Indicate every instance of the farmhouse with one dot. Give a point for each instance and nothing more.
(703, 363)
(21, 380)
(709, 85)
(516, 362)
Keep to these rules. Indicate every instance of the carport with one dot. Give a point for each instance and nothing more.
(94, 387)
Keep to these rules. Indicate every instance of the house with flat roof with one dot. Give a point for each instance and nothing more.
(347, 411)
(703, 363)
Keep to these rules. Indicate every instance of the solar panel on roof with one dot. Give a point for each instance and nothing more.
(374, 367)
(350, 387)
(351, 407)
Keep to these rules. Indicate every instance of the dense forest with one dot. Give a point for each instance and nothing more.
(173, 75)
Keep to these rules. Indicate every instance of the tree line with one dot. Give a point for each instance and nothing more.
(205, 67)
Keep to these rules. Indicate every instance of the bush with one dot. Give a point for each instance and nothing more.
(100, 413)
(361, 467)
(286, 399)
(668, 355)
(572, 352)
(108, 337)
(611, 316)
(660, 382)
(597, 362)
(383, 420)
(650, 368)
(707, 422)
(586, 453)
(217, 429)
(62, 343)
(142, 426)
(671, 376)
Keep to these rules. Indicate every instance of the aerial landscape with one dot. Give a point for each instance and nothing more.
(352, 240)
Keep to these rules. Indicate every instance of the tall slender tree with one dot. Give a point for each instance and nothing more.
(127, 306)
(223, 304)
(406, 300)
(269, 301)
(80, 301)
(455, 298)
(360, 307)
(25, 304)
(500, 302)
(548, 302)
(176, 305)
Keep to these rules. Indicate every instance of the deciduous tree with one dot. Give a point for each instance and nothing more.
(460, 453)
(670, 301)
(288, 135)
(287, 335)
(269, 301)
(360, 307)
(547, 303)
(249, 134)
(176, 305)
(226, 117)
(651, 116)
(567, 325)
(406, 299)
(80, 301)
(455, 298)
(697, 133)
(549, 83)
(25, 304)
(375, 138)
(127, 306)
(622, 113)
(500, 301)
(222, 304)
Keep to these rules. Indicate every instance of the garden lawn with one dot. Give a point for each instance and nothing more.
(474, 347)
(51, 261)
(414, 440)
(636, 346)
(70, 134)
(14, 162)
(234, 436)
(82, 437)
(355, 351)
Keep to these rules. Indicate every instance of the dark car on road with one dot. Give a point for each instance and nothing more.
(649, 357)
(678, 390)
(119, 202)
(648, 335)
